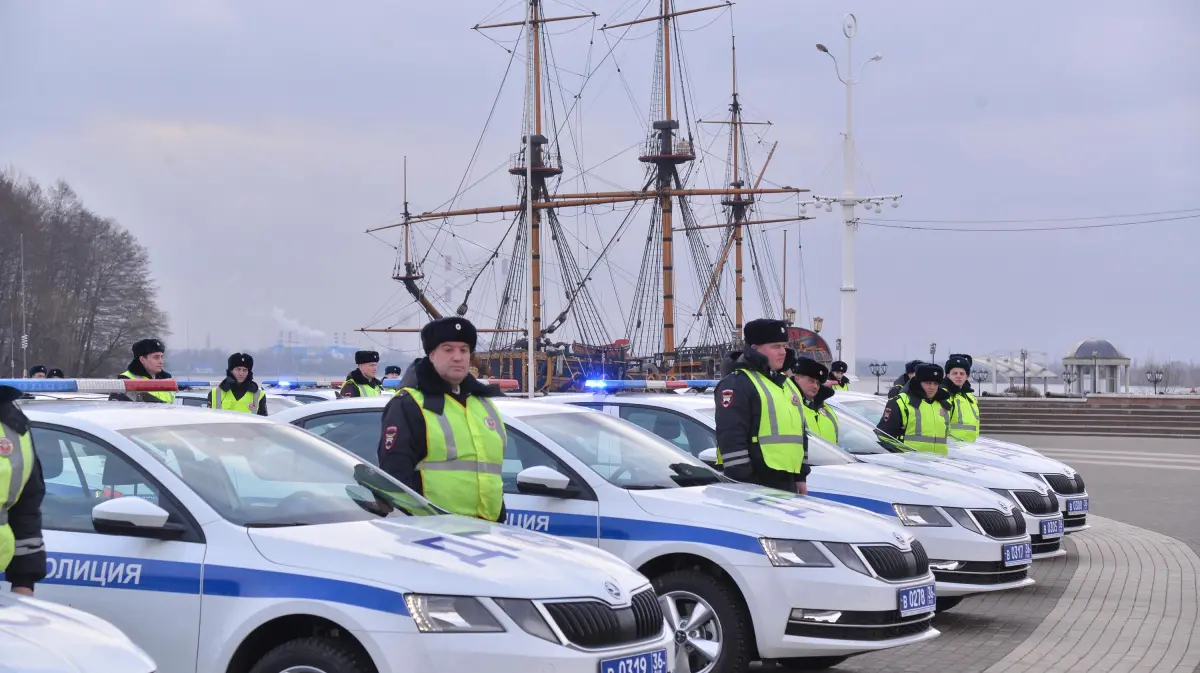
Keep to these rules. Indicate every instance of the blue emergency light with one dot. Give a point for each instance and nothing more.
(646, 384)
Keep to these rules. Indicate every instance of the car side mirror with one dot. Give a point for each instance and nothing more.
(134, 517)
(709, 457)
(542, 480)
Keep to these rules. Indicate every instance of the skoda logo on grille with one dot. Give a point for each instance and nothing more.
(1005, 507)
(1070, 473)
(902, 540)
(612, 589)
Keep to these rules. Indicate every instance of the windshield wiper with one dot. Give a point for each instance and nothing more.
(644, 487)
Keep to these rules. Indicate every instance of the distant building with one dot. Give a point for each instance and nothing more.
(1096, 366)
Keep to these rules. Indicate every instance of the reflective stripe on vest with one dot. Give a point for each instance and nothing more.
(15, 469)
(164, 395)
(841, 386)
(464, 456)
(925, 426)
(966, 427)
(365, 391)
(781, 427)
(217, 401)
(823, 423)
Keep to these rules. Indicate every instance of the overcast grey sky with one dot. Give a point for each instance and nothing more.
(250, 144)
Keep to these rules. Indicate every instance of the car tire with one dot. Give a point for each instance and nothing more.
(737, 649)
(323, 654)
(945, 603)
(810, 663)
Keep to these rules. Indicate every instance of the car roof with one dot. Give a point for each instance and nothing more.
(667, 400)
(509, 406)
(127, 415)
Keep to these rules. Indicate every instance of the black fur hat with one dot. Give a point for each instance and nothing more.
(147, 347)
(37, 369)
(929, 372)
(364, 357)
(959, 361)
(451, 329)
(765, 331)
(839, 367)
(55, 373)
(810, 367)
(391, 369)
(241, 360)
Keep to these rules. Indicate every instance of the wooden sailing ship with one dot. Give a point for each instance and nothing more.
(649, 346)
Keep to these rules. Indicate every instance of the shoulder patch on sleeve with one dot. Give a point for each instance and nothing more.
(887, 413)
(726, 398)
(389, 437)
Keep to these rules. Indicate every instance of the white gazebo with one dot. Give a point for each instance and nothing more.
(1096, 366)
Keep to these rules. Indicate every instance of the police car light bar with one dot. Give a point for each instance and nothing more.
(103, 385)
(644, 384)
(504, 384)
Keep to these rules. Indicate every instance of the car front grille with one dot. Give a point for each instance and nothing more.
(1065, 485)
(1074, 520)
(1042, 545)
(995, 524)
(892, 564)
(982, 572)
(594, 624)
(875, 626)
(1036, 503)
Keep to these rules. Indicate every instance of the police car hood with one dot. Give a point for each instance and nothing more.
(450, 554)
(762, 512)
(992, 441)
(954, 469)
(41, 636)
(1009, 459)
(877, 487)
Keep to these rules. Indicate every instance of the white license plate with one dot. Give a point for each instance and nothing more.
(647, 662)
(916, 600)
(1017, 554)
(1052, 528)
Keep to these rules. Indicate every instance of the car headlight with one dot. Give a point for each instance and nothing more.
(794, 554)
(845, 553)
(920, 515)
(963, 518)
(1007, 496)
(526, 615)
(450, 614)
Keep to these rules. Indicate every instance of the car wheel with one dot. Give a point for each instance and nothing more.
(945, 603)
(810, 663)
(712, 626)
(313, 655)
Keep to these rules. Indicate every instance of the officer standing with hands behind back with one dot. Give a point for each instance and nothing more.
(442, 436)
(362, 382)
(760, 425)
(22, 551)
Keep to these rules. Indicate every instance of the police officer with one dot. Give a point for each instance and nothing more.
(22, 551)
(37, 372)
(837, 376)
(964, 410)
(760, 424)
(441, 434)
(362, 382)
(239, 391)
(910, 368)
(55, 373)
(810, 377)
(147, 364)
(390, 372)
(920, 415)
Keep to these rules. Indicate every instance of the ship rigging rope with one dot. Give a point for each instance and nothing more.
(972, 230)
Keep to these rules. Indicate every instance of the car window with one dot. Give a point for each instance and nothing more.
(521, 453)
(858, 437)
(193, 401)
(267, 474)
(821, 453)
(279, 403)
(872, 410)
(357, 432)
(622, 453)
(678, 429)
(81, 473)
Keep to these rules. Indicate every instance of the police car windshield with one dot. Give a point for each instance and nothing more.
(260, 474)
(871, 410)
(859, 437)
(821, 453)
(621, 452)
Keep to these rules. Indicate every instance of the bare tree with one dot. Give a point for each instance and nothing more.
(88, 290)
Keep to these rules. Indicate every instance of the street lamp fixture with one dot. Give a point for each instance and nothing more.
(818, 323)
(979, 376)
(790, 316)
(1024, 370)
(933, 352)
(878, 369)
(1069, 377)
(1095, 371)
(1156, 378)
(839, 348)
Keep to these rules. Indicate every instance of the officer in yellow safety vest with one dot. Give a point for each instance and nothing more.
(964, 410)
(239, 391)
(441, 434)
(837, 376)
(920, 415)
(22, 551)
(760, 424)
(809, 376)
(362, 382)
(901, 381)
(391, 372)
(147, 364)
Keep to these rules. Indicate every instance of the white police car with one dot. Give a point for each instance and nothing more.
(1031, 496)
(1066, 483)
(745, 572)
(37, 635)
(226, 542)
(200, 398)
(976, 542)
